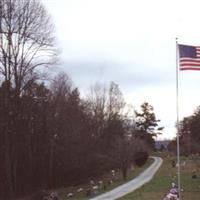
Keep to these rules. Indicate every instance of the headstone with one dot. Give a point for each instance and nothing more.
(54, 196)
(80, 190)
(173, 163)
(113, 172)
(100, 185)
(92, 183)
(69, 195)
(95, 189)
(194, 175)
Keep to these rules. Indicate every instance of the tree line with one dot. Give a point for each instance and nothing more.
(189, 128)
(49, 135)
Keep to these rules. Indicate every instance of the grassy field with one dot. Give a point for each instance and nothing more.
(62, 192)
(160, 185)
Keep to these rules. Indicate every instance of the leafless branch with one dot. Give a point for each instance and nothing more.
(26, 39)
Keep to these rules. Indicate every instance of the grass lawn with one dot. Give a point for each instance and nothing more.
(160, 185)
(62, 192)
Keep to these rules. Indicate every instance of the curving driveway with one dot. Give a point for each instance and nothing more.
(137, 182)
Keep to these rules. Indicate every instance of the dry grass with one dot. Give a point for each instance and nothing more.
(105, 178)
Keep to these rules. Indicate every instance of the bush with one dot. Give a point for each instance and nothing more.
(141, 158)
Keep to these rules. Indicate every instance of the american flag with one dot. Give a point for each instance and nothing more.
(189, 57)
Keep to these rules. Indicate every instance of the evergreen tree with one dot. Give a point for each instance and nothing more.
(147, 124)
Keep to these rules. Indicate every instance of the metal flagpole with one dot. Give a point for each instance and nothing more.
(177, 111)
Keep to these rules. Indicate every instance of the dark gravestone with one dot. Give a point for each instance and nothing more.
(173, 163)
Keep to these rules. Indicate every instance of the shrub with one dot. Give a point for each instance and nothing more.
(141, 158)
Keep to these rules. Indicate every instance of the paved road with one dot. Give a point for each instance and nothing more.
(137, 182)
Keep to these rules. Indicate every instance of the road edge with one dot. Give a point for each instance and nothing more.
(134, 184)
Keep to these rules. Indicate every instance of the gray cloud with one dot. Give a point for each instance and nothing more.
(125, 74)
(131, 44)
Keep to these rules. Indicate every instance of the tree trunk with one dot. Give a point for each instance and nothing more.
(7, 142)
(124, 172)
(8, 166)
(50, 172)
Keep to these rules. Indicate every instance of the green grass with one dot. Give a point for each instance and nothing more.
(160, 185)
(62, 192)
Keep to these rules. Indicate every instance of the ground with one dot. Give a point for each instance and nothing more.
(106, 177)
(160, 185)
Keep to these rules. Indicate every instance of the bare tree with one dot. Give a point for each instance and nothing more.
(97, 100)
(26, 44)
(126, 150)
(116, 101)
(26, 40)
(106, 102)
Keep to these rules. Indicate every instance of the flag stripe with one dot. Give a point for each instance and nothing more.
(190, 64)
(189, 68)
(190, 60)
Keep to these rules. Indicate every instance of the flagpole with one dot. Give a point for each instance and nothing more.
(177, 111)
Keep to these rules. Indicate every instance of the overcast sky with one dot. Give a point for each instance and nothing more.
(131, 42)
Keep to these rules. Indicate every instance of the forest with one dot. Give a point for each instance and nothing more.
(50, 135)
